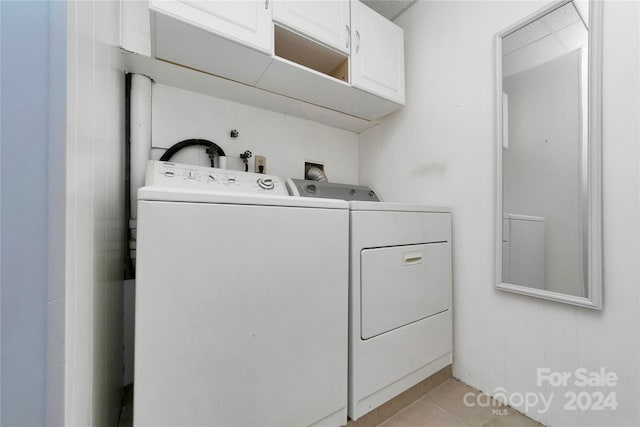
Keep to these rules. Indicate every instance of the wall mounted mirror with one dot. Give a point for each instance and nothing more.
(548, 127)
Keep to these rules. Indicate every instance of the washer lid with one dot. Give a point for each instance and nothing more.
(395, 207)
(164, 194)
(175, 182)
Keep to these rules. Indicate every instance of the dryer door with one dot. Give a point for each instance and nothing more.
(403, 284)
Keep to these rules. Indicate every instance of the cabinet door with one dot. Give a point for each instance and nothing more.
(377, 54)
(245, 22)
(324, 21)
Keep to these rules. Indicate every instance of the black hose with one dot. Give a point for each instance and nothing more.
(212, 148)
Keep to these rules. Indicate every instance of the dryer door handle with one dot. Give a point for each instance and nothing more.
(412, 258)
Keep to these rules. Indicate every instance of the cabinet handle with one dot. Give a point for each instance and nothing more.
(357, 41)
(348, 35)
(266, 4)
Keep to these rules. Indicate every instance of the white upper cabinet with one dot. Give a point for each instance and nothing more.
(325, 21)
(337, 56)
(377, 54)
(231, 39)
(245, 22)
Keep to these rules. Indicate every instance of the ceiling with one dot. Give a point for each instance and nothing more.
(547, 38)
(390, 9)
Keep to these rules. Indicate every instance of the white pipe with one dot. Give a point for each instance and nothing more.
(140, 136)
(140, 145)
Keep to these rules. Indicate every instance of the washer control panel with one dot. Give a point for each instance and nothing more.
(177, 175)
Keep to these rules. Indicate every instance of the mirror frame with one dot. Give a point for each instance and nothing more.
(593, 204)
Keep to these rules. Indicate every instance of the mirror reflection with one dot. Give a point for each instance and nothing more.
(545, 152)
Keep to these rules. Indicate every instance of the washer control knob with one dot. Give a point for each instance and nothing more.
(311, 188)
(266, 183)
(352, 192)
(211, 177)
(169, 173)
(231, 180)
(191, 175)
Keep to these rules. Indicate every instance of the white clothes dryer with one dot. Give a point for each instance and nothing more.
(400, 321)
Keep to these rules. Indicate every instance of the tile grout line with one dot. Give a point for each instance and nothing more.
(440, 407)
(400, 411)
(449, 413)
(422, 395)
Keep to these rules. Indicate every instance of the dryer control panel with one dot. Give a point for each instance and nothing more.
(330, 190)
(177, 175)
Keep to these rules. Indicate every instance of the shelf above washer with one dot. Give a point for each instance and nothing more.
(198, 81)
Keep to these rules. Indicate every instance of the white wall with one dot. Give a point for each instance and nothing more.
(286, 141)
(24, 209)
(95, 239)
(541, 167)
(57, 213)
(440, 149)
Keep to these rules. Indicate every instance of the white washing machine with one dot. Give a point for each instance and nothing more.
(400, 320)
(241, 302)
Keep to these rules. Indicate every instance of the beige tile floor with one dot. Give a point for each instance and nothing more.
(441, 407)
(444, 407)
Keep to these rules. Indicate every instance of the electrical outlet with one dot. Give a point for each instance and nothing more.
(260, 164)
